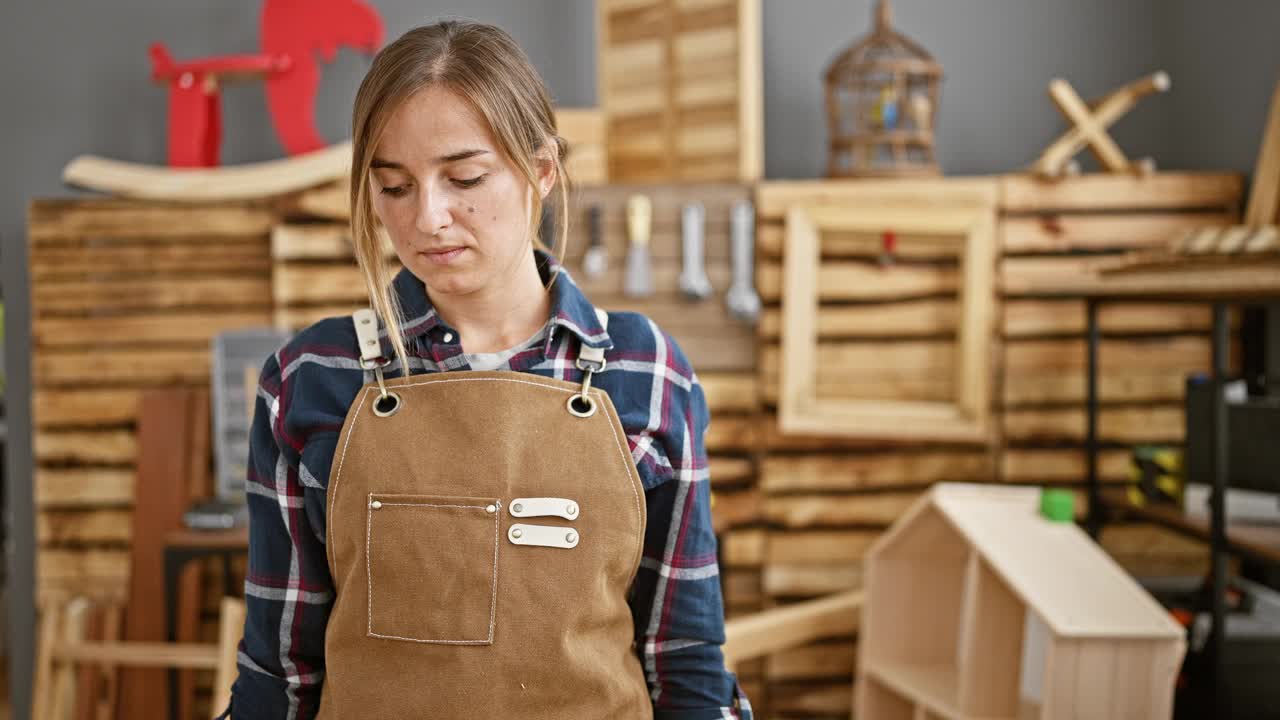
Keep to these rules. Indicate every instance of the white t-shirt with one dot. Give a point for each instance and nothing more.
(499, 360)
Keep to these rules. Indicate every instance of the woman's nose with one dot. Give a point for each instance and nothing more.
(433, 212)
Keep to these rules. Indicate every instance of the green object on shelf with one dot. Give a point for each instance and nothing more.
(1058, 505)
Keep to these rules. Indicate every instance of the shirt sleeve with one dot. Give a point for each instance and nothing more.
(288, 589)
(677, 602)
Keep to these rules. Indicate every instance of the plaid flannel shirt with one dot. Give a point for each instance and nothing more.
(304, 392)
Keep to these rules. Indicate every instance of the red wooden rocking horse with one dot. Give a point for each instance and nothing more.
(293, 33)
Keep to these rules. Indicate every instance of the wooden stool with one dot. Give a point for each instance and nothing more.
(62, 645)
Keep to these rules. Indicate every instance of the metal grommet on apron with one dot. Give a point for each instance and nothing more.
(483, 543)
(371, 358)
(590, 361)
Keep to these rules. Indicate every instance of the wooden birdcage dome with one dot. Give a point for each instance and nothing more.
(882, 104)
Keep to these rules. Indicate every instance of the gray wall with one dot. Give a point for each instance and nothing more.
(75, 80)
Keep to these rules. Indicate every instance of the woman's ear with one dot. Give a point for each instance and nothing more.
(547, 167)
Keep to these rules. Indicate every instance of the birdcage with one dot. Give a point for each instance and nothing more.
(882, 104)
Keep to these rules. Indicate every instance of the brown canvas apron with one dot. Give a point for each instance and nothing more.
(482, 538)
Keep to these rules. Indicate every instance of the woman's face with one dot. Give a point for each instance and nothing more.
(457, 211)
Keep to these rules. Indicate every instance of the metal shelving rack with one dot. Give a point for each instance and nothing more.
(1261, 545)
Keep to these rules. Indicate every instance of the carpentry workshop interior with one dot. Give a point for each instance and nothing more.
(983, 299)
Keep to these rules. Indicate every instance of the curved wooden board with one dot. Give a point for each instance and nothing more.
(236, 182)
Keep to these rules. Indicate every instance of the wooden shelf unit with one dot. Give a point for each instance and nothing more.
(979, 608)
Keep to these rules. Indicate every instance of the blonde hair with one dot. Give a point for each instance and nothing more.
(485, 67)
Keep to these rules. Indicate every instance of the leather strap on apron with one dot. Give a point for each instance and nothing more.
(483, 531)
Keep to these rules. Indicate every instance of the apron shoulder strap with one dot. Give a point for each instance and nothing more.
(366, 323)
(595, 354)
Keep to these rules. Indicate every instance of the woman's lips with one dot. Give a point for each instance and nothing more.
(444, 257)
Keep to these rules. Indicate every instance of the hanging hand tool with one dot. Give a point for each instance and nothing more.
(693, 276)
(638, 281)
(743, 301)
(596, 260)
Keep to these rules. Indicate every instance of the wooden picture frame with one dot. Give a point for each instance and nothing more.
(971, 227)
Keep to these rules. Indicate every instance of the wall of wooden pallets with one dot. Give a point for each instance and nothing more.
(888, 333)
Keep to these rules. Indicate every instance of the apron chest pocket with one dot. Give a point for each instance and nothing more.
(432, 564)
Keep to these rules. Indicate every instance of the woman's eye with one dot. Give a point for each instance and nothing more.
(395, 191)
(470, 182)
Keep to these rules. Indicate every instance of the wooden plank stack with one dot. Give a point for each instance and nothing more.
(680, 84)
(125, 295)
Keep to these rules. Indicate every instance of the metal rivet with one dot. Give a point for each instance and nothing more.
(517, 507)
(448, 337)
(375, 504)
(571, 537)
(491, 508)
(517, 532)
(369, 342)
(365, 321)
(572, 509)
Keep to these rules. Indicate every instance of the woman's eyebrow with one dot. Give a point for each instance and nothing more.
(378, 163)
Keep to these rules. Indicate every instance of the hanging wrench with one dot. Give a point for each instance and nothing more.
(743, 301)
(693, 276)
(637, 278)
(596, 261)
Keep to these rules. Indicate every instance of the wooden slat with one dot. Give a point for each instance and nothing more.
(84, 527)
(153, 655)
(293, 284)
(151, 294)
(1264, 195)
(1120, 425)
(730, 470)
(804, 511)
(84, 408)
(817, 547)
(50, 221)
(730, 433)
(771, 239)
(1114, 191)
(744, 548)
(735, 508)
(83, 487)
(730, 392)
(807, 580)
(820, 660)
(71, 569)
(921, 370)
(146, 329)
(1114, 386)
(85, 446)
(1036, 318)
(872, 470)
(774, 198)
(1024, 356)
(849, 280)
(1054, 465)
(829, 700)
(1066, 233)
(91, 262)
(83, 367)
(913, 318)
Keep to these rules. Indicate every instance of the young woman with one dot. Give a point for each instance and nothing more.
(482, 497)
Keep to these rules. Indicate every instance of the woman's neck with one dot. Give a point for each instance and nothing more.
(506, 312)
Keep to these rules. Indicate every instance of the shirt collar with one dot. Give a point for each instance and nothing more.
(570, 308)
